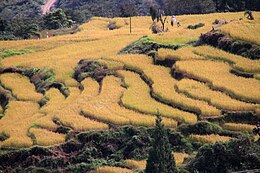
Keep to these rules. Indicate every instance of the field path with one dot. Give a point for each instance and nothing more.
(47, 7)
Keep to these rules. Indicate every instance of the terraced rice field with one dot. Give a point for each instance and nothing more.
(137, 89)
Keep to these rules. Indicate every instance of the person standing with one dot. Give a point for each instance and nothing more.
(173, 20)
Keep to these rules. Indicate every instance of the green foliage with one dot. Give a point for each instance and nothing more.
(3, 137)
(93, 69)
(207, 128)
(160, 156)
(14, 9)
(10, 52)
(236, 155)
(57, 19)
(244, 118)
(43, 79)
(128, 9)
(145, 45)
(75, 15)
(225, 42)
(178, 7)
(201, 128)
(199, 25)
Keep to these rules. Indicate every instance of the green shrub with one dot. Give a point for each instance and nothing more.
(200, 128)
(9, 52)
(3, 137)
(236, 155)
(199, 25)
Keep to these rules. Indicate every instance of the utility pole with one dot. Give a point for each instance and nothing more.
(130, 24)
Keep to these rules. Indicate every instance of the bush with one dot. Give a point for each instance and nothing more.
(199, 25)
(93, 69)
(9, 52)
(225, 42)
(236, 155)
(112, 25)
(57, 19)
(156, 28)
(200, 128)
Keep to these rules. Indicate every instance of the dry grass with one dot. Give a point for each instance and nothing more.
(217, 75)
(239, 127)
(111, 169)
(182, 54)
(20, 87)
(220, 100)
(244, 29)
(136, 164)
(105, 107)
(163, 84)
(47, 138)
(68, 111)
(180, 158)
(16, 123)
(62, 53)
(238, 62)
(137, 96)
(210, 139)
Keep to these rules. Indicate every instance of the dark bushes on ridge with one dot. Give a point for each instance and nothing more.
(199, 25)
(225, 42)
(93, 69)
(145, 45)
(235, 155)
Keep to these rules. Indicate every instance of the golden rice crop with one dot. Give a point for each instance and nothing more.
(105, 107)
(18, 119)
(239, 127)
(185, 53)
(20, 87)
(210, 139)
(55, 98)
(62, 53)
(111, 169)
(163, 84)
(244, 30)
(183, 35)
(1, 109)
(45, 138)
(137, 96)
(136, 164)
(220, 100)
(63, 59)
(257, 76)
(239, 62)
(217, 74)
(112, 65)
(68, 110)
(180, 157)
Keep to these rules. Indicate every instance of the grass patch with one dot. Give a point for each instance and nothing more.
(10, 52)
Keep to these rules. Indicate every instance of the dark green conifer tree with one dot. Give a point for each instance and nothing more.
(160, 158)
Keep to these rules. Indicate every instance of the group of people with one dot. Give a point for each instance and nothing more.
(174, 20)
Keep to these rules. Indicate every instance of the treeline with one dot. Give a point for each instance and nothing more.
(117, 8)
(22, 19)
(19, 18)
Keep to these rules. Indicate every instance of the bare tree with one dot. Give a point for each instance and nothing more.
(160, 18)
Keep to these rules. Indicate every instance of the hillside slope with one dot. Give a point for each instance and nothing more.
(81, 95)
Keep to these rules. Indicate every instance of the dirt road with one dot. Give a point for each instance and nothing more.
(47, 7)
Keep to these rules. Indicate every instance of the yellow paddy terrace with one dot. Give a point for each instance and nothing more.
(198, 84)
